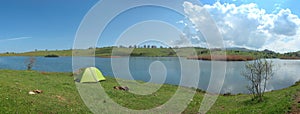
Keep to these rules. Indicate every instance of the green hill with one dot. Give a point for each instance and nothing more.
(158, 52)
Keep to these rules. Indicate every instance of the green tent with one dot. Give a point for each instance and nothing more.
(91, 74)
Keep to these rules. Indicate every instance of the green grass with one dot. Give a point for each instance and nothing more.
(105, 52)
(61, 96)
(275, 102)
(41, 53)
(59, 93)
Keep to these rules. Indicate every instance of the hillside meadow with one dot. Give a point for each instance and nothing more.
(61, 96)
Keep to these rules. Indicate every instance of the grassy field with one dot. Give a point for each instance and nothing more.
(104, 52)
(59, 93)
(40, 53)
(61, 96)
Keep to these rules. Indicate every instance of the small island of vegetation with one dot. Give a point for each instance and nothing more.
(52, 55)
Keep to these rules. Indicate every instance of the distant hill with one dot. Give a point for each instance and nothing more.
(152, 51)
(239, 49)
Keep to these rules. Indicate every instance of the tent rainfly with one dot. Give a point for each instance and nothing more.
(91, 74)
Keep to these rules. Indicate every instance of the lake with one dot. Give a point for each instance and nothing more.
(142, 68)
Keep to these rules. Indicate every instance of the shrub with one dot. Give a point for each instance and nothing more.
(258, 73)
(52, 55)
(30, 63)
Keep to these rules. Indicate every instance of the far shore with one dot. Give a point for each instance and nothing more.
(290, 58)
(223, 58)
(109, 56)
(200, 53)
(204, 57)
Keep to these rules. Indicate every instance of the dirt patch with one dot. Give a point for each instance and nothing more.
(60, 98)
(295, 107)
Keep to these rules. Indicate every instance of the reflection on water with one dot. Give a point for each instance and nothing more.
(286, 71)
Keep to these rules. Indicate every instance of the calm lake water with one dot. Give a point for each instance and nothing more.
(286, 71)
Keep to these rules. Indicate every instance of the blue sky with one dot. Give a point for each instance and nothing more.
(47, 24)
(27, 25)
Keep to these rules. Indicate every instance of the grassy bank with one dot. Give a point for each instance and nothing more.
(60, 96)
(40, 53)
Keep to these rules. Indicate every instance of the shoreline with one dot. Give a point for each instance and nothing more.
(289, 58)
(193, 88)
(223, 58)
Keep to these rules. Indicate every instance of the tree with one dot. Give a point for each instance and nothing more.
(30, 63)
(90, 48)
(258, 73)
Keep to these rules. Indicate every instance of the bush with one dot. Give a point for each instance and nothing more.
(227, 94)
(52, 55)
(30, 63)
(258, 73)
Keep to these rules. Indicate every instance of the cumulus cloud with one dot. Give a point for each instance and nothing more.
(249, 26)
(183, 41)
(284, 24)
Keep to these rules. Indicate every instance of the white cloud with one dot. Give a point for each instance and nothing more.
(183, 41)
(285, 23)
(249, 26)
(18, 38)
